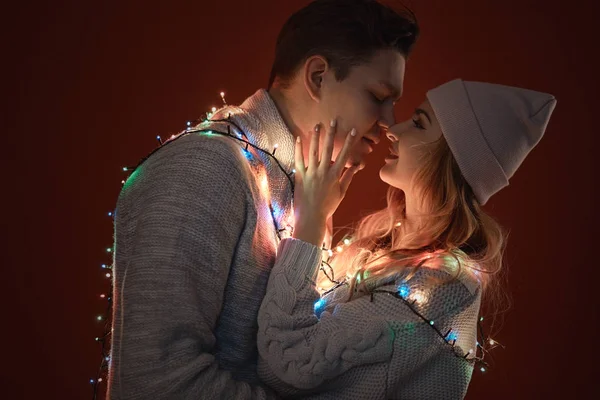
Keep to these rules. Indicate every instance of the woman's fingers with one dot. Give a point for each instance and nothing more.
(342, 158)
(328, 146)
(313, 155)
(299, 158)
(347, 178)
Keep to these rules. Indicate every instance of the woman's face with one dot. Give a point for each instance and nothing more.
(410, 142)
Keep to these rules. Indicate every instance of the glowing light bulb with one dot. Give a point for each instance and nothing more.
(492, 342)
(319, 304)
(431, 322)
(418, 296)
(346, 242)
(108, 275)
(264, 184)
(403, 290)
(482, 369)
(339, 249)
(399, 224)
(213, 109)
(102, 296)
(99, 380)
(330, 253)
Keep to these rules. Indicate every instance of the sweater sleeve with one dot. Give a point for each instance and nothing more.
(178, 222)
(305, 351)
(301, 349)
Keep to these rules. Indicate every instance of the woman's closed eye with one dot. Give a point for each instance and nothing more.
(417, 123)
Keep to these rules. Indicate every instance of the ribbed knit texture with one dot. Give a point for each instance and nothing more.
(194, 246)
(490, 129)
(363, 349)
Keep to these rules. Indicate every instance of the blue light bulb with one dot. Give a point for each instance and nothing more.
(319, 305)
(403, 290)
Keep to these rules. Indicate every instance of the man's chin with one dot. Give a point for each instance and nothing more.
(354, 162)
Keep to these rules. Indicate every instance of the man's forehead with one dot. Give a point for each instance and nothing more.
(386, 70)
(389, 67)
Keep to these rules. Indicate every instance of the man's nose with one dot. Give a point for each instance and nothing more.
(387, 118)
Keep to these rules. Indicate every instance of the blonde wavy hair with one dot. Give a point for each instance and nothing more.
(455, 231)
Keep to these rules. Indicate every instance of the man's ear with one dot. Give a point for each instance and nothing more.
(314, 70)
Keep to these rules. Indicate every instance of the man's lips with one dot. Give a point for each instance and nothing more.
(371, 140)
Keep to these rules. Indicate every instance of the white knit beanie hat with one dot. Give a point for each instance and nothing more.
(490, 129)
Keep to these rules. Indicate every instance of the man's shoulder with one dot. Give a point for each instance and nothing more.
(199, 153)
(192, 161)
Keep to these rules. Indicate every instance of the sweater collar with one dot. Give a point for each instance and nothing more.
(262, 125)
(262, 122)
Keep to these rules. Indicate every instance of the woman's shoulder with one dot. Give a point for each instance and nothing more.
(430, 292)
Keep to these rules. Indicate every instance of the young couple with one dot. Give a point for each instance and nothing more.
(216, 296)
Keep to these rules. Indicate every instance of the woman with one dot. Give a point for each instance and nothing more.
(404, 322)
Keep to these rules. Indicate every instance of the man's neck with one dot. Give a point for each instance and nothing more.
(287, 109)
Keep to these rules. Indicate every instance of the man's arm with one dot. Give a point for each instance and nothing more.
(177, 226)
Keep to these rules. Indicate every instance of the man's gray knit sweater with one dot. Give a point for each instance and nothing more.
(195, 241)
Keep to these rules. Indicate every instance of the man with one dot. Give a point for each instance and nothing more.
(198, 222)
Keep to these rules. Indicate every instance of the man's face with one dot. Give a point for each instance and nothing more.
(364, 100)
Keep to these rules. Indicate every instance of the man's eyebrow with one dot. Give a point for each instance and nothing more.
(421, 111)
(394, 92)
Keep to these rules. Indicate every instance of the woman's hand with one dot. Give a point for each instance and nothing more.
(320, 186)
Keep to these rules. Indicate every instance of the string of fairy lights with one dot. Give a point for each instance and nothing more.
(234, 131)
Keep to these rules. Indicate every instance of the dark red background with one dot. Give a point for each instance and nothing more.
(89, 85)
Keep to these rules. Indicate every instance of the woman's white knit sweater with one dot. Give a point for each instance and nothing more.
(367, 348)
